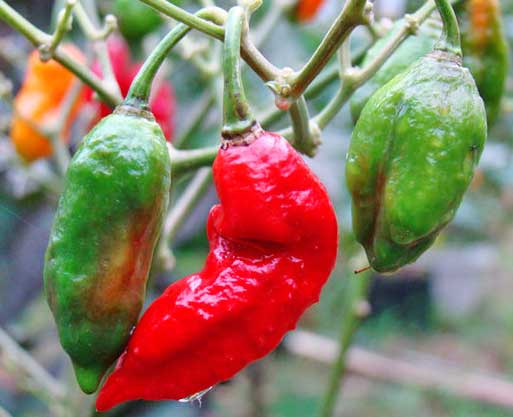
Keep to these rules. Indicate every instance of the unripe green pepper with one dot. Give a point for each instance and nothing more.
(413, 48)
(136, 19)
(412, 156)
(485, 50)
(102, 241)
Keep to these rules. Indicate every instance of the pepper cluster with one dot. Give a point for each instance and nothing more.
(273, 240)
(420, 130)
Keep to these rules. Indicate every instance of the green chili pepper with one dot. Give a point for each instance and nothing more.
(136, 19)
(103, 237)
(413, 153)
(413, 48)
(485, 50)
(106, 227)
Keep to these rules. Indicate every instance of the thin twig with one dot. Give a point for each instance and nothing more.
(33, 376)
(4, 412)
(64, 21)
(206, 102)
(356, 308)
(37, 37)
(178, 214)
(425, 372)
(89, 22)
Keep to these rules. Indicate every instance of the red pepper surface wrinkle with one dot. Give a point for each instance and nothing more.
(273, 243)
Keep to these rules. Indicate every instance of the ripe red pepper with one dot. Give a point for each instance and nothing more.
(162, 101)
(273, 243)
(306, 10)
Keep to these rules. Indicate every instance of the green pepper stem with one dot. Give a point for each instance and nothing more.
(184, 161)
(237, 114)
(450, 39)
(140, 89)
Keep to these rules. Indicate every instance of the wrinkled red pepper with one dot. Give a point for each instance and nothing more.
(162, 101)
(273, 243)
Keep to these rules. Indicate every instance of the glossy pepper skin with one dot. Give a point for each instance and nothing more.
(273, 243)
(38, 102)
(162, 101)
(104, 233)
(413, 48)
(412, 156)
(485, 50)
(136, 19)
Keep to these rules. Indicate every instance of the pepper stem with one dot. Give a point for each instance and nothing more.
(237, 114)
(140, 90)
(450, 39)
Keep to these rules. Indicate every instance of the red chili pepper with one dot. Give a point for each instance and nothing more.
(307, 9)
(273, 243)
(162, 101)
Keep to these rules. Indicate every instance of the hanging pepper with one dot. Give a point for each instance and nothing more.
(105, 230)
(485, 50)
(38, 104)
(273, 243)
(413, 48)
(306, 10)
(413, 153)
(162, 100)
(136, 19)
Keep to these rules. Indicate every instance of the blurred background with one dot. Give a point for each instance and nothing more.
(439, 337)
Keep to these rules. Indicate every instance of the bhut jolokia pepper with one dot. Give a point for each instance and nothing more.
(105, 230)
(413, 153)
(273, 243)
(162, 100)
(136, 19)
(37, 105)
(413, 48)
(485, 50)
(306, 10)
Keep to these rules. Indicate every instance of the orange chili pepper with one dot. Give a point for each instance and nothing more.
(38, 103)
(482, 20)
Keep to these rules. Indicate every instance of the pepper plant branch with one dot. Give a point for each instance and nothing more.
(22, 363)
(420, 370)
(189, 199)
(183, 161)
(354, 13)
(4, 412)
(61, 154)
(357, 308)
(205, 104)
(89, 22)
(38, 38)
(141, 85)
(187, 18)
(354, 78)
(64, 22)
(326, 78)
(264, 29)
(250, 53)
